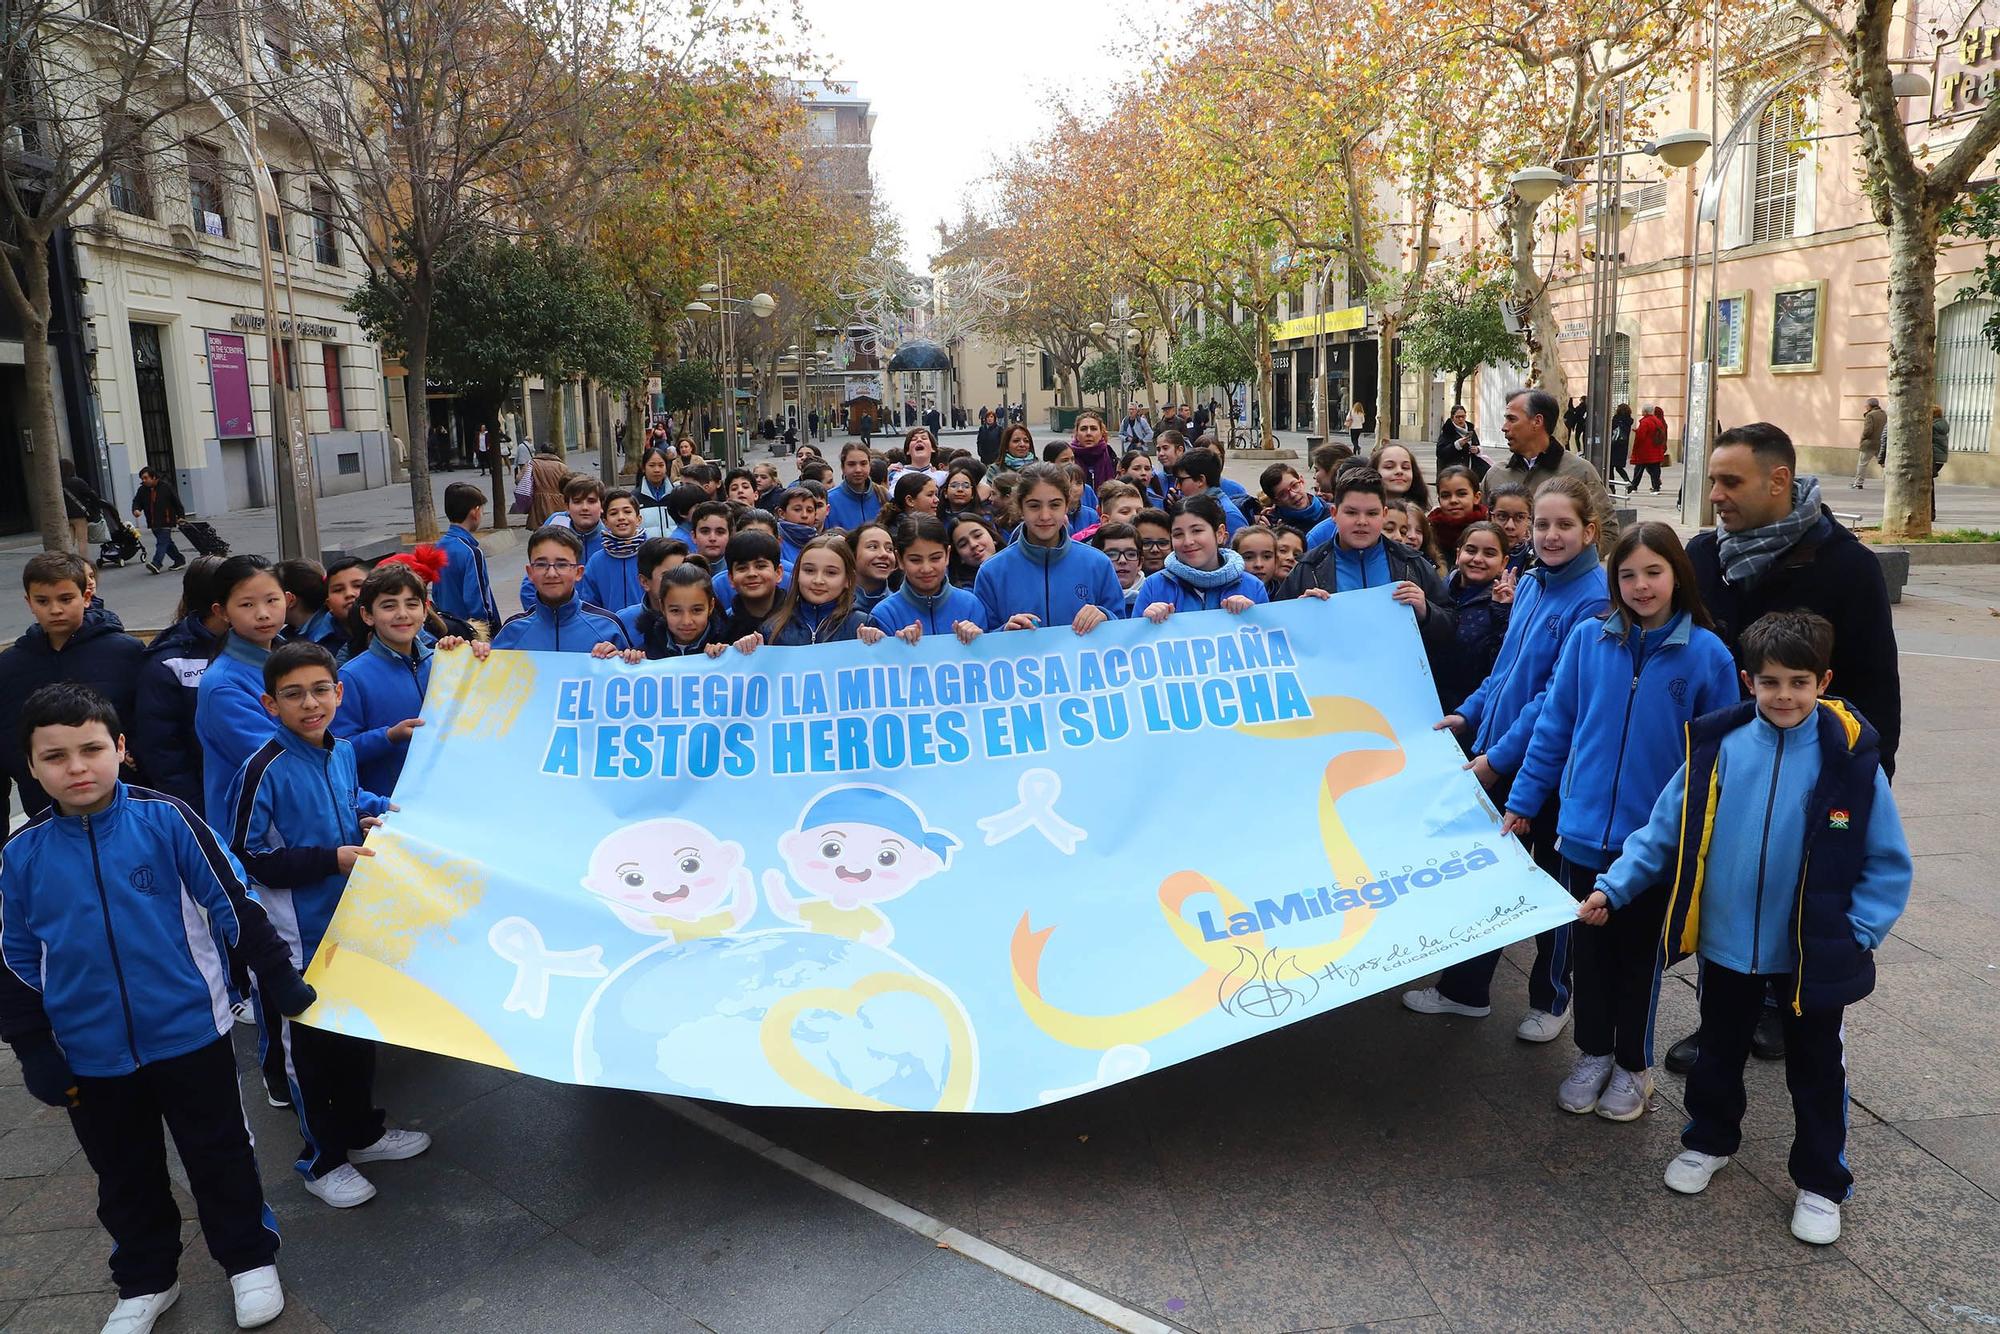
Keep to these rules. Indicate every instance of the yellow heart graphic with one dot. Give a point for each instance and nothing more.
(783, 1054)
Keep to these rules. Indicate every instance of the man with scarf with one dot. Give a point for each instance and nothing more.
(1776, 547)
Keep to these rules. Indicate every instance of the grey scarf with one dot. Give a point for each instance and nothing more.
(1746, 555)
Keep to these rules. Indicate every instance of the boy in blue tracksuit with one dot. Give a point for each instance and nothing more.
(119, 911)
(559, 620)
(611, 573)
(298, 815)
(582, 514)
(1787, 865)
(465, 589)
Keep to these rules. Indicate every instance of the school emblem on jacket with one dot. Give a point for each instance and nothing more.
(1678, 689)
(1836, 819)
(142, 880)
(1552, 627)
(1083, 592)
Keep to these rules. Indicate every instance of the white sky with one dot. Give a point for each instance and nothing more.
(958, 83)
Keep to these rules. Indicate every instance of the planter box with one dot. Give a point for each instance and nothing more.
(1895, 569)
(1949, 553)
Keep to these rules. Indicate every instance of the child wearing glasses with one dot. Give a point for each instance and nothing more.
(560, 620)
(1120, 543)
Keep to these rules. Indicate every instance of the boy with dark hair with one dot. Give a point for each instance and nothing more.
(681, 503)
(583, 514)
(557, 619)
(119, 914)
(799, 509)
(1200, 470)
(298, 815)
(1360, 557)
(1155, 530)
(69, 642)
(465, 589)
(740, 487)
(169, 683)
(753, 579)
(708, 522)
(1787, 865)
(656, 556)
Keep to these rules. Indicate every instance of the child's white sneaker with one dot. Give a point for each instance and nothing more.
(1541, 1026)
(1625, 1097)
(135, 1315)
(1429, 1000)
(1689, 1172)
(1587, 1078)
(1816, 1219)
(343, 1187)
(260, 1298)
(394, 1146)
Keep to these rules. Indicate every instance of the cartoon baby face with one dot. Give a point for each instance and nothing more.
(667, 868)
(853, 863)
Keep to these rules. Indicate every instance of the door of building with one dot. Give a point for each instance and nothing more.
(1966, 373)
(149, 378)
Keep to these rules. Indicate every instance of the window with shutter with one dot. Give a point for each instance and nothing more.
(1774, 194)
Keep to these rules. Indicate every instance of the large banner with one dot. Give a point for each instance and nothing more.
(923, 877)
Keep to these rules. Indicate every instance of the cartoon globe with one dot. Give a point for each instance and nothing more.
(779, 1018)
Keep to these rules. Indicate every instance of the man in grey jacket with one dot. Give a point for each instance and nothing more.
(1873, 423)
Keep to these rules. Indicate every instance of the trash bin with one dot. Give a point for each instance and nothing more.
(1063, 420)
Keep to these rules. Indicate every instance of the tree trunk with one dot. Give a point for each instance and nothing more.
(558, 413)
(1906, 501)
(417, 343)
(44, 471)
(1531, 297)
(1386, 371)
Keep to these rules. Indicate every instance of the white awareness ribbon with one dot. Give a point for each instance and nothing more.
(1038, 790)
(519, 942)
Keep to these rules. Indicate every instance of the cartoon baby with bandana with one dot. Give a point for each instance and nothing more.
(855, 846)
(672, 878)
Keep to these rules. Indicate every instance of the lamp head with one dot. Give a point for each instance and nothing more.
(698, 307)
(1535, 184)
(1910, 83)
(1683, 148)
(708, 287)
(1097, 327)
(762, 304)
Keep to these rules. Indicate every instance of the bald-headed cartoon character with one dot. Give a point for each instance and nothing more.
(855, 846)
(672, 878)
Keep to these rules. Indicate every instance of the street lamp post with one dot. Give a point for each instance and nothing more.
(726, 308)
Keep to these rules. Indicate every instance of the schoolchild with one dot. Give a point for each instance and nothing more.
(1258, 546)
(169, 683)
(121, 908)
(651, 491)
(1156, 538)
(656, 556)
(298, 816)
(910, 493)
(582, 514)
(1120, 544)
(709, 522)
(798, 514)
(1608, 739)
(229, 715)
(874, 550)
(1564, 590)
(753, 580)
(819, 606)
(1787, 867)
(974, 540)
(1201, 573)
(1512, 512)
(384, 683)
(70, 641)
(316, 613)
(683, 620)
(857, 499)
(964, 482)
(1083, 511)
(1043, 578)
(465, 589)
(558, 619)
(1117, 502)
(1200, 472)
(1137, 468)
(927, 603)
(611, 573)
(740, 487)
(754, 521)
(1482, 589)
(1420, 538)
(1458, 505)
(1291, 550)
(1293, 505)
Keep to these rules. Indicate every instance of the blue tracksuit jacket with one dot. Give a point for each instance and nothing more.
(231, 721)
(116, 930)
(574, 626)
(1612, 727)
(844, 509)
(592, 542)
(465, 589)
(1166, 587)
(1053, 583)
(1735, 849)
(162, 726)
(937, 615)
(611, 581)
(814, 624)
(291, 809)
(381, 688)
(1548, 604)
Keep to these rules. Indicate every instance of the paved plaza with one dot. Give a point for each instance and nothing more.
(1369, 1168)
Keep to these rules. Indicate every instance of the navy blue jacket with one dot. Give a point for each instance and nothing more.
(381, 688)
(937, 615)
(1609, 736)
(465, 589)
(814, 624)
(1333, 567)
(162, 726)
(649, 632)
(1482, 625)
(116, 930)
(1548, 604)
(230, 720)
(574, 626)
(292, 809)
(99, 655)
(1053, 583)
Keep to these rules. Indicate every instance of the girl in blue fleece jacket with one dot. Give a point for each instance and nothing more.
(819, 606)
(229, 714)
(1044, 578)
(1549, 602)
(1609, 738)
(1201, 574)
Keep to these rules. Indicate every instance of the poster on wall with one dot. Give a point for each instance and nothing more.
(229, 381)
(1796, 314)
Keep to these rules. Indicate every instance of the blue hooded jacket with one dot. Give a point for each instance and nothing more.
(1612, 725)
(231, 721)
(1053, 583)
(1548, 604)
(465, 589)
(162, 725)
(116, 929)
(381, 688)
(593, 542)
(611, 581)
(294, 806)
(1170, 588)
(813, 623)
(99, 655)
(573, 626)
(844, 509)
(937, 615)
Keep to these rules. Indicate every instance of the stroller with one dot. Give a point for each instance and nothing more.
(203, 538)
(123, 546)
